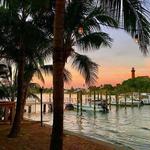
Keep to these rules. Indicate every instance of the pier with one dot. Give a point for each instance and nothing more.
(34, 107)
(7, 110)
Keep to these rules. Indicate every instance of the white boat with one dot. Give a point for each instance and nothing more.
(146, 101)
(129, 102)
(88, 107)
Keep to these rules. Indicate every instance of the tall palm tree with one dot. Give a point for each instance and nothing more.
(35, 43)
(88, 17)
(137, 22)
(58, 84)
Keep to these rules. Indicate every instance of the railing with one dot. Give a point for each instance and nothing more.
(7, 110)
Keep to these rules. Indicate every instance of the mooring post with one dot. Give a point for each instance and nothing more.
(77, 102)
(109, 101)
(81, 102)
(125, 98)
(117, 103)
(44, 108)
(94, 101)
(41, 93)
(132, 98)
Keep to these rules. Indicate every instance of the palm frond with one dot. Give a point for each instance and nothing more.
(4, 91)
(86, 67)
(48, 69)
(133, 17)
(32, 95)
(67, 76)
(94, 40)
(38, 73)
(101, 17)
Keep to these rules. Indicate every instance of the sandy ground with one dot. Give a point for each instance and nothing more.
(35, 137)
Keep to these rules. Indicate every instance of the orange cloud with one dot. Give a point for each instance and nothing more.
(107, 75)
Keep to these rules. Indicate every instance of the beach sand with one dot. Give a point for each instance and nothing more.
(35, 137)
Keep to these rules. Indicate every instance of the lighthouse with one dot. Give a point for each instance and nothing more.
(133, 73)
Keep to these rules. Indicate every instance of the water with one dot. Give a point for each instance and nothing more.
(130, 127)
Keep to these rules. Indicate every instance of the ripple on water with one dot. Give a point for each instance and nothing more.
(129, 127)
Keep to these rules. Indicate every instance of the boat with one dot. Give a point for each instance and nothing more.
(99, 107)
(130, 102)
(146, 101)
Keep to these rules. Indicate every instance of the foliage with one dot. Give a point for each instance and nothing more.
(139, 84)
(7, 81)
(88, 17)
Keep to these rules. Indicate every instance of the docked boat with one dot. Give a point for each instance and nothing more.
(146, 101)
(129, 102)
(99, 107)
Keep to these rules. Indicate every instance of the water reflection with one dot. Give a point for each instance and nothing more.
(130, 126)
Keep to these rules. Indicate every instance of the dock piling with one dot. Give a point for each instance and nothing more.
(81, 102)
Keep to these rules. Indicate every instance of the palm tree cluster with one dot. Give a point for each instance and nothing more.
(33, 32)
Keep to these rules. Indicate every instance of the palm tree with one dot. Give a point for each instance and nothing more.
(92, 37)
(137, 22)
(36, 49)
(21, 41)
(58, 84)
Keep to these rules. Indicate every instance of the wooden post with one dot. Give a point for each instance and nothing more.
(94, 101)
(117, 103)
(81, 102)
(50, 97)
(50, 107)
(41, 95)
(29, 109)
(44, 108)
(98, 95)
(106, 98)
(106, 101)
(78, 101)
(35, 105)
(109, 101)
(101, 96)
(90, 100)
(139, 96)
(86, 98)
(125, 98)
(90, 94)
(132, 98)
(70, 97)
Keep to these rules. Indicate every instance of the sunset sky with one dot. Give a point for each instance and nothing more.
(115, 62)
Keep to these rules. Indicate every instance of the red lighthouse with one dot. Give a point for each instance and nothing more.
(133, 73)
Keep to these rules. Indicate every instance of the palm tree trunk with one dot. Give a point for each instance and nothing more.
(15, 130)
(58, 83)
(25, 91)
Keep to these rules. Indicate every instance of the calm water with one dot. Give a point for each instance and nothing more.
(130, 126)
